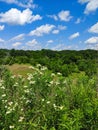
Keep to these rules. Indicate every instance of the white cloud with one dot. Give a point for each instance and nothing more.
(53, 17)
(61, 47)
(2, 27)
(43, 29)
(61, 27)
(1, 40)
(33, 45)
(92, 40)
(75, 35)
(50, 41)
(64, 16)
(21, 3)
(92, 5)
(94, 28)
(19, 37)
(16, 44)
(55, 31)
(16, 17)
(32, 42)
(78, 21)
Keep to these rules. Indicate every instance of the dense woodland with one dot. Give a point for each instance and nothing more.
(66, 61)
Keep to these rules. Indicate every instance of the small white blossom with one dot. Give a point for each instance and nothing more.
(21, 119)
(11, 126)
(38, 65)
(48, 102)
(52, 75)
(25, 86)
(8, 112)
(59, 73)
(32, 82)
(2, 87)
(51, 82)
(4, 95)
(61, 107)
(10, 103)
(43, 100)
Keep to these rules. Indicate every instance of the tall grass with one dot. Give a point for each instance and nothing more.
(48, 101)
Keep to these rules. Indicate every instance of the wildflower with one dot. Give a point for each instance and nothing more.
(21, 119)
(10, 103)
(30, 77)
(38, 65)
(11, 126)
(32, 82)
(52, 75)
(61, 107)
(21, 109)
(4, 95)
(51, 82)
(48, 102)
(26, 91)
(13, 76)
(57, 83)
(44, 68)
(2, 87)
(25, 86)
(16, 84)
(8, 112)
(40, 73)
(43, 100)
(5, 106)
(59, 73)
(54, 106)
(28, 101)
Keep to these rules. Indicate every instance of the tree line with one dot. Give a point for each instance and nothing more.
(65, 61)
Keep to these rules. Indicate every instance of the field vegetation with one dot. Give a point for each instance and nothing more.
(54, 91)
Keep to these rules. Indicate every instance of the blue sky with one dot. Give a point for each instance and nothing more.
(49, 24)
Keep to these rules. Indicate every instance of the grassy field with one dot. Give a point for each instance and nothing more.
(20, 69)
(43, 100)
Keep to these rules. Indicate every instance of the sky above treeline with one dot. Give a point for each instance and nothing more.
(49, 24)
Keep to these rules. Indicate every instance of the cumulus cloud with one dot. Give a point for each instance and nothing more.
(43, 29)
(33, 45)
(1, 40)
(92, 40)
(92, 5)
(61, 47)
(32, 42)
(75, 35)
(94, 28)
(50, 41)
(53, 17)
(64, 16)
(55, 31)
(17, 17)
(19, 37)
(2, 27)
(78, 21)
(61, 27)
(16, 44)
(21, 3)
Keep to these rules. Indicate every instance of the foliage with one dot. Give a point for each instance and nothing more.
(64, 61)
(48, 101)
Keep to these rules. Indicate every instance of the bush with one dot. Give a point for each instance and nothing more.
(48, 101)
